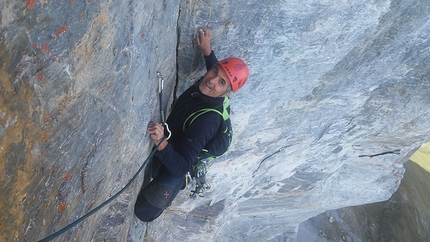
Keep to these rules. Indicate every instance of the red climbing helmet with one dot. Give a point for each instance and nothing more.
(236, 70)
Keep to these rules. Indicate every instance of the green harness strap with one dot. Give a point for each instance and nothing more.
(200, 112)
(199, 169)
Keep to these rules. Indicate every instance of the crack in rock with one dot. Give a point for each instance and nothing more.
(267, 157)
(397, 152)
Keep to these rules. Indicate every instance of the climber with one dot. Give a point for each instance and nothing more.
(177, 155)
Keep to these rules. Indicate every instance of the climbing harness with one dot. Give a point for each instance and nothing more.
(160, 97)
(216, 147)
(151, 155)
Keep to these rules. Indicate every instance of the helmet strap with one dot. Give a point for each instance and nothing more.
(226, 92)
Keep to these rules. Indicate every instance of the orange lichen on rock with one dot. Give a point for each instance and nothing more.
(62, 207)
(30, 3)
(45, 48)
(61, 30)
(68, 176)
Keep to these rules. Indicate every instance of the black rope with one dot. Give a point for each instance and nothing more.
(61, 231)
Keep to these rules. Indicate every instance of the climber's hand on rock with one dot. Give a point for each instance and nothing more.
(203, 40)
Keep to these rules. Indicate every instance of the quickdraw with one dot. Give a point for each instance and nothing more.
(160, 97)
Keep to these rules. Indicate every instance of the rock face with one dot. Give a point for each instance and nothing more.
(404, 217)
(337, 98)
(78, 87)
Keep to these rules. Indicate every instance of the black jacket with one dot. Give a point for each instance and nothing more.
(184, 147)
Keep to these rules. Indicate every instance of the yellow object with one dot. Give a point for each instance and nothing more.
(422, 156)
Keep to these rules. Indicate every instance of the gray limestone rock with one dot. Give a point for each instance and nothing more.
(404, 217)
(337, 98)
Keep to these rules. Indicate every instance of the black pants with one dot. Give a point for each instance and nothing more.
(157, 195)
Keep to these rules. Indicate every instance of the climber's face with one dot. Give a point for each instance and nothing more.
(215, 83)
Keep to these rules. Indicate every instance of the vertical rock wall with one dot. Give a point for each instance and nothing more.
(404, 217)
(78, 86)
(337, 97)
